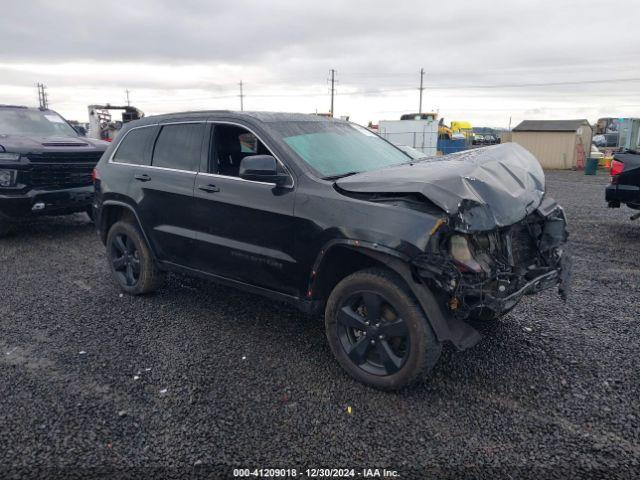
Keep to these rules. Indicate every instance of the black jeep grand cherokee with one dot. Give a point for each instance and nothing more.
(45, 166)
(323, 213)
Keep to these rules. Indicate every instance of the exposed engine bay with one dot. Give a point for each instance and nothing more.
(486, 273)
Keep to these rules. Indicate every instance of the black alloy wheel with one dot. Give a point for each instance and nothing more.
(125, 259)
(378, 331)
(130, 259)
(372, 333)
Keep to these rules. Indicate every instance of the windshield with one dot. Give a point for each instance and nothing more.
(34, 123)
(337, 149)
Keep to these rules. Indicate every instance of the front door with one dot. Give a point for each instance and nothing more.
(245, 229)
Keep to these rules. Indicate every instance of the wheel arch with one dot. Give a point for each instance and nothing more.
(342, 257)
(337, 260)
(113, 211)
(445, 326)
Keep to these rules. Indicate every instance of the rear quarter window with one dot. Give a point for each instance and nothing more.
(133, 148)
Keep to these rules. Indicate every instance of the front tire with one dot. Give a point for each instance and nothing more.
(378, 332)
(130, 260)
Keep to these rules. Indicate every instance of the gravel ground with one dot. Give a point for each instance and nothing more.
(199, 379)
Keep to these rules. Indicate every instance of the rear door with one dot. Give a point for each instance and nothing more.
(132, 153)
(164, 190)
(245, 229)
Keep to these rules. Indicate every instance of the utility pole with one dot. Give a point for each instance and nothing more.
(421, 89)
(43, 98)
(128, 102)
(333, 89)
(241, 97)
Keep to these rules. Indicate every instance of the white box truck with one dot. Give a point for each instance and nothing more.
(421, 134)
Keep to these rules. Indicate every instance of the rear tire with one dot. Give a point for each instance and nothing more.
(130, 260)
(378, 332)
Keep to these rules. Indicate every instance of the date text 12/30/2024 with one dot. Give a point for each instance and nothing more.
(316, 473)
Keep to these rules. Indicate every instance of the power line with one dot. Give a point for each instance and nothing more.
(521, 108)
(452, 87)
(127, 92)
(380, 91)
(542, 84)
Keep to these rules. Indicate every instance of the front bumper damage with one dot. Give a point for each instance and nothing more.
(503, 304)
(522, 259)
(492, 202)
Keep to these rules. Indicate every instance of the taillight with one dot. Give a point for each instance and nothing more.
(616, 169)
(94, 175)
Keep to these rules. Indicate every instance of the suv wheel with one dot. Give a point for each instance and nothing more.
(378, 332)
(130, 260)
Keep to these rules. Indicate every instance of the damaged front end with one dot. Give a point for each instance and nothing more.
(498, 238)
(485, 274)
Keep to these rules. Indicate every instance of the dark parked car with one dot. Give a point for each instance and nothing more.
(324, 214)
(625, 181)
(45, 166)
(490, 140)
(605, 140)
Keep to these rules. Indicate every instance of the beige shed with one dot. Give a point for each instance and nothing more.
(557, 144)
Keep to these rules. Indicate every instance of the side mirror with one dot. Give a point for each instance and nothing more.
(262, 168)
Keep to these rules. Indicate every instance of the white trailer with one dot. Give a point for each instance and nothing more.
(419, 134)
(101, 125)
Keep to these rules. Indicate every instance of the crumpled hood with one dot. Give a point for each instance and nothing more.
(481, 189)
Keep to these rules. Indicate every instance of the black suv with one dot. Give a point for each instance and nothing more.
(322, 213)
(45, 166)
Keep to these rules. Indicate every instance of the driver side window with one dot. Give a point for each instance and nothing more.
(230, 145)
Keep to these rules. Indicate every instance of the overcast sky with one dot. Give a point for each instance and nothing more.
(484, 61)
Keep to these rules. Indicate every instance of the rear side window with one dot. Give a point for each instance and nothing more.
(179, 146)
(133, 147)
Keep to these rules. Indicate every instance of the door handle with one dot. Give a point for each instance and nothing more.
(143, 177)
(209, 188)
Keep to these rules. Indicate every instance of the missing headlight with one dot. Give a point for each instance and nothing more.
(462, 255)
